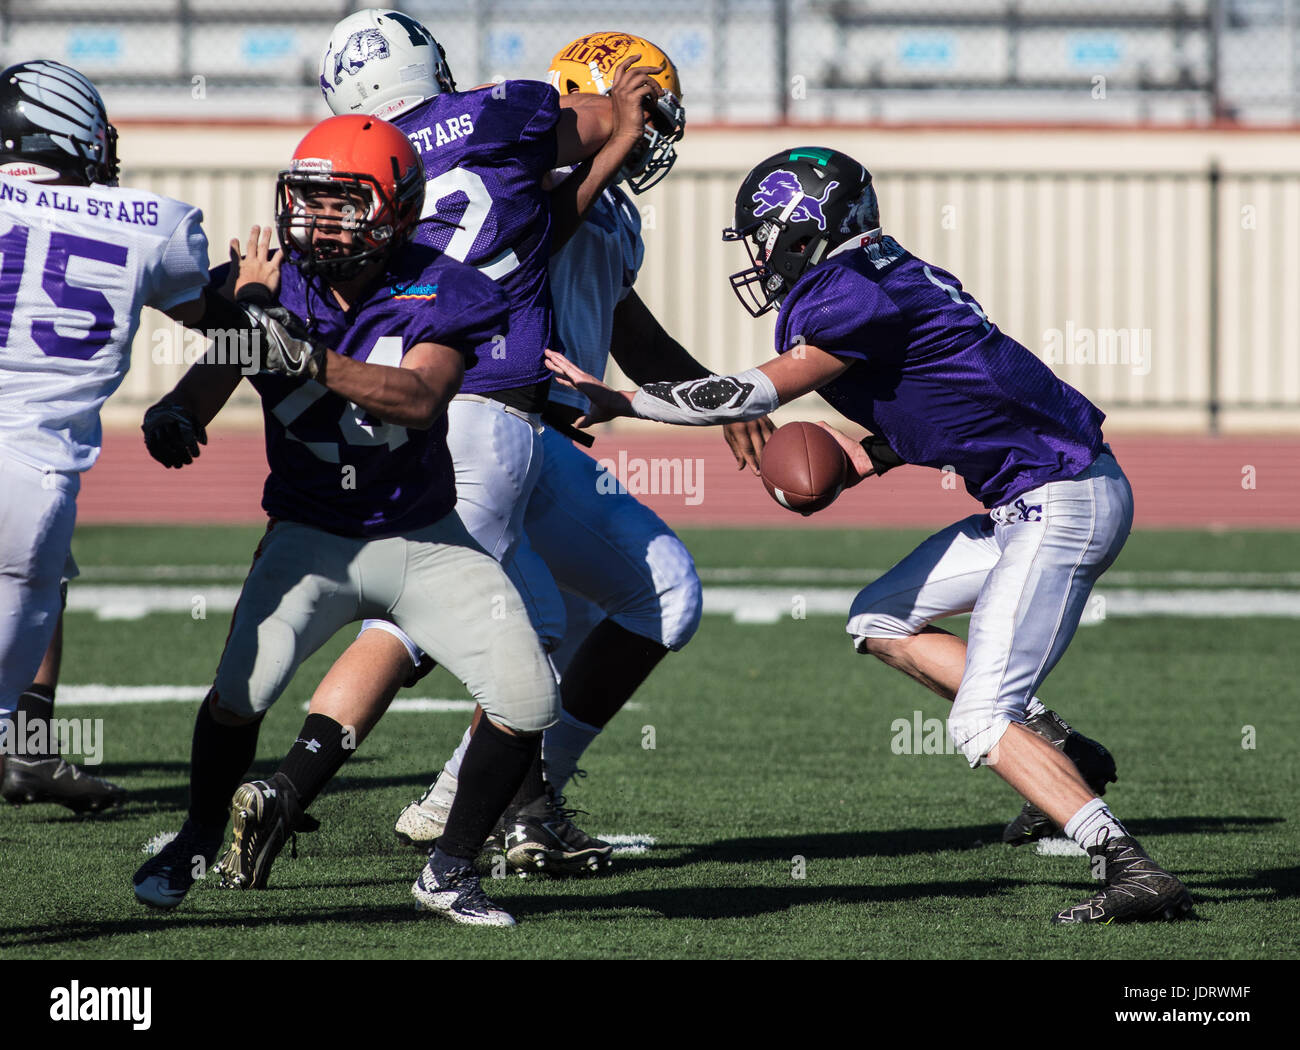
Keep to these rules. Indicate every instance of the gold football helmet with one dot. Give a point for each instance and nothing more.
(588, 65)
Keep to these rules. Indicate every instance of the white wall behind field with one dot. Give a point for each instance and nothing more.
(1092, 248)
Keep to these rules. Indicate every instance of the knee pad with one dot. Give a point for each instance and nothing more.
(682, 606)
(668, 610)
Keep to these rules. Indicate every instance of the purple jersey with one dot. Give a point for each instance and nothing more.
(485, 154)
(335, 467)
(934, 377)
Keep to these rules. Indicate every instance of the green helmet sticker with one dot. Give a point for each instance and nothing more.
(821, 156)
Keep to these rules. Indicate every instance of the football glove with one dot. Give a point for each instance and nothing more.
(172, 435)
(286, 347)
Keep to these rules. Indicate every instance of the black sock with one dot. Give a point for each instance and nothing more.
(607, 669)
(316, 755)
(36, 706)
(219, 758)
(533, 786)
(494, 766)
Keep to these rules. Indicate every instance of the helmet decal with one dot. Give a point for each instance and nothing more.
(360, 49)
(599, 52)
(779, 189)
(381, 62)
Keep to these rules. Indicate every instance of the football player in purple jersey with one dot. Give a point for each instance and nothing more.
(488, 155)
(630, 590)
(350, 536)
(896, 345)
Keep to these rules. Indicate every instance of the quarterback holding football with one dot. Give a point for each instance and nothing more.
(896, 345)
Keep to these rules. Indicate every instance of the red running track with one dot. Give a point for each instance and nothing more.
(1179, 482)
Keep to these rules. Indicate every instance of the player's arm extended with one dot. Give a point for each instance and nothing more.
(643, 349)
(633, 90)
(586, 123)
(175, 426)
(414, 394)
(710, 401)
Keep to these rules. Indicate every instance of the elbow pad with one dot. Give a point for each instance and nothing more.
(708, 401)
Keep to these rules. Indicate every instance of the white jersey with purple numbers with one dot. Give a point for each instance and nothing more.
(76, 265)
(590, 276)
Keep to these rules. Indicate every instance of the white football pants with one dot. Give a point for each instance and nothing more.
(1024, 571)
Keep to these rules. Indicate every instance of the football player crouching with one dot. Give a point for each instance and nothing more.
(896, 345)
(349, 536)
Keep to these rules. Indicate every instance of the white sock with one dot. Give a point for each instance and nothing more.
(562, 746)
(452, 768)
(1093, 824)
(1034, 707)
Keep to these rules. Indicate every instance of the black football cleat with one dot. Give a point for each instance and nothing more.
(1093, 761)
(1135, 889)
(541, 837)
(28, 780)
(265, 815)
(165, 879)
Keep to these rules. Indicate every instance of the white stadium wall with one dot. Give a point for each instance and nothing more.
(1113, 254)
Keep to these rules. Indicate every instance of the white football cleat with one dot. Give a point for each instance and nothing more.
(458, 895)
(422, 822)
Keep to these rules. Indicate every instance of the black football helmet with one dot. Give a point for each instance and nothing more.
(53, 125)
(790, 212)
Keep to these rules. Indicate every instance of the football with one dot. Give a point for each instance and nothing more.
(803, 467)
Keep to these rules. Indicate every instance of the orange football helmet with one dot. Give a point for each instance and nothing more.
(588, 65)
(353, 193)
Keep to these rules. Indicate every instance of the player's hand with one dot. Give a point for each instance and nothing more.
(859, 462)
(633, 94)
(286, 347)
(259, 264)
(606, 404)
(747, 439)
(172, 435)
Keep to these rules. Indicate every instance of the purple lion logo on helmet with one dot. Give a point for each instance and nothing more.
(361, 48)
(779, 188)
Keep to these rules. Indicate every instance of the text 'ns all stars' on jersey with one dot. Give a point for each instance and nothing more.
(334, 466)
(77, 263)
(590, 276)
(933, 376)
(485, 153)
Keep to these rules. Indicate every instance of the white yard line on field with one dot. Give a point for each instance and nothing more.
(753, 574)
(130, 694)
(748, 604)
(1115, 577)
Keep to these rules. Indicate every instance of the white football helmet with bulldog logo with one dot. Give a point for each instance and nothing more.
(381, 63)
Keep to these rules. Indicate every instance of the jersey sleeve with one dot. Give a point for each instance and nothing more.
(833, 310)
(181, 271)
(538, 140)
(633, 245)
(469, 314)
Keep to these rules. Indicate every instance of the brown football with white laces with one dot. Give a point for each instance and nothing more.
(803, 467)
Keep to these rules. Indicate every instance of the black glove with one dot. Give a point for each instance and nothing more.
(172, 435)
(882, 456)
